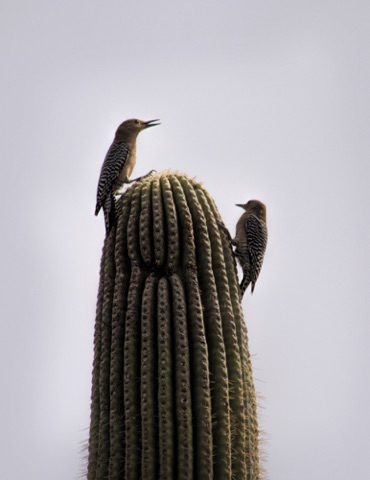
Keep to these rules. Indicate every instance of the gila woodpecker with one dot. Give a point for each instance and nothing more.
(250, 242)
(118, 165)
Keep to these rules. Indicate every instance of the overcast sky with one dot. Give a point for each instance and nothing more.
(266, 100)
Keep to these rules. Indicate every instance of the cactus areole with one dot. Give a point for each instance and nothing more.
(172, 388)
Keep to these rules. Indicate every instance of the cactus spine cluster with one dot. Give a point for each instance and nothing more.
(172, 391)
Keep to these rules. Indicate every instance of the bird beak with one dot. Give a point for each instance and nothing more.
(239, 205)
(150, 123)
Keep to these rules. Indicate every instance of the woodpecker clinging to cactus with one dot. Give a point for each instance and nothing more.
(250, 242)
(118, 165)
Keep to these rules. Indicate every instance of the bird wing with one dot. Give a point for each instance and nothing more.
(113, 164)
(257, 242)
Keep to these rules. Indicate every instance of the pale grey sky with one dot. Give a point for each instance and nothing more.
(265, 100)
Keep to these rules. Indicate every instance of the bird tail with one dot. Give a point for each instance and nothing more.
(110, 209)
(244, 284)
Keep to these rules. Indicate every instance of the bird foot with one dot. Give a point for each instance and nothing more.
(152, 172)
(223, 227)
(141, 178)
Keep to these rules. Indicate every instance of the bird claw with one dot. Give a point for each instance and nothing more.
(223, 227)
(138, 179)
(152, 172)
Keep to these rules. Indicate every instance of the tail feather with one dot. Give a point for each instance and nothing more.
(110, 213)
(244, 284)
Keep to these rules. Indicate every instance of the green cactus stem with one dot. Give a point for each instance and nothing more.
(172, 390)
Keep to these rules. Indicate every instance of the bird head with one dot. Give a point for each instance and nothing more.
(132, 127)
(256, 207)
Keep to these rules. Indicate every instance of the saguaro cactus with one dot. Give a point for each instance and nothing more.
(172, 391)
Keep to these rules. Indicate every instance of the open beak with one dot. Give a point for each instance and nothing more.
(150, 123)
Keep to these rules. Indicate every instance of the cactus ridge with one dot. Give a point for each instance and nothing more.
(105, 352)
(149, 408)
(172, 390)
(250, 402)
(166, 400)
(232, 346)
(214, 335)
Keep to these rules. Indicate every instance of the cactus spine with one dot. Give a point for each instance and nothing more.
(172, 392)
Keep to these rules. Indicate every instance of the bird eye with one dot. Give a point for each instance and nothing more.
(137, 121)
